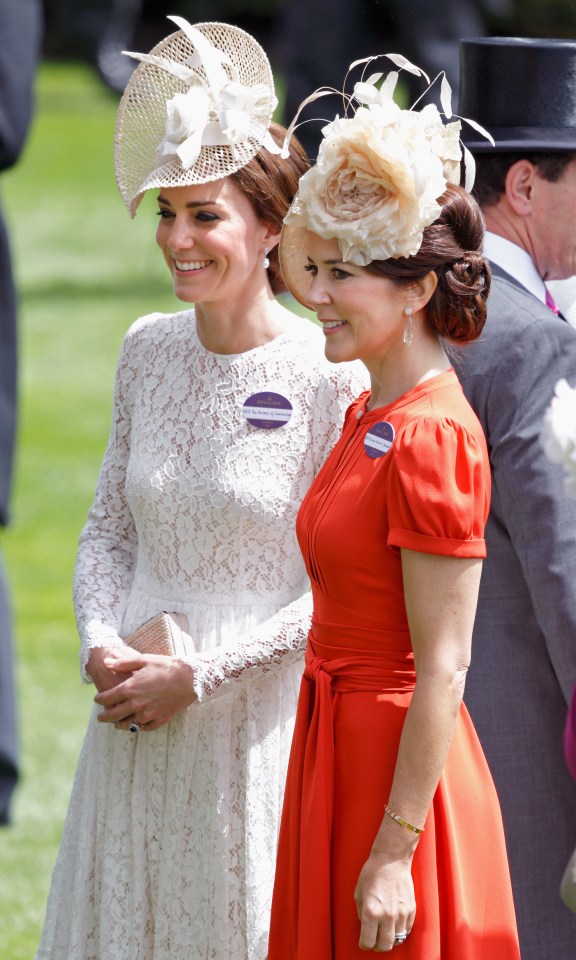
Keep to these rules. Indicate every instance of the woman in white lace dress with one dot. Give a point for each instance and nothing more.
(169, 844)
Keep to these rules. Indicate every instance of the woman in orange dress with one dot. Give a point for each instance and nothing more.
(391, 834)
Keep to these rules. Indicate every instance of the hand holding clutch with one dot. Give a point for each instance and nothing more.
(156, 687)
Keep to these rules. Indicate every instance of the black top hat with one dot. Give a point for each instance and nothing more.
(522, 91)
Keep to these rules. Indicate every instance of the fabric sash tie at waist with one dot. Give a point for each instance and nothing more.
(309, 825)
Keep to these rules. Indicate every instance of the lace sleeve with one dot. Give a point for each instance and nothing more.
(107, 547)
(280, 640)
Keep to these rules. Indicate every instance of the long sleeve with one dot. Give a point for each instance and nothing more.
(108, 543)
(267, 649)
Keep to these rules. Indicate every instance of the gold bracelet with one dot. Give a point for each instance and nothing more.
(402, 822)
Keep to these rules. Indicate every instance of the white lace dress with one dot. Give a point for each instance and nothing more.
(168, 849)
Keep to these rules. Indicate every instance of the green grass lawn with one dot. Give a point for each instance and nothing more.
(85, 272)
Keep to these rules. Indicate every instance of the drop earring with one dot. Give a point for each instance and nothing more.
(265, 259)
(408, 329)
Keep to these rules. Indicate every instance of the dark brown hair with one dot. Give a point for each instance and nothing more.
(270, 183)
(492, 168)
(451, 247)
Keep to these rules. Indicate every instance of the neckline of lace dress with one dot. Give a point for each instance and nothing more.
(228, 358)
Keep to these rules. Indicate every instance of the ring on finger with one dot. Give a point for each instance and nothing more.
(401, 936)
(134, 727)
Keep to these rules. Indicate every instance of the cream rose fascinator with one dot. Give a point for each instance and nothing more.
(197, 108)
(378, 177)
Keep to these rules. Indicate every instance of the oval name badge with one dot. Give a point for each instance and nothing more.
(267, 410)
(379, 439)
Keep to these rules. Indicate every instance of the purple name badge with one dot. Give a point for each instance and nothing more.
(267, 410)
(379, 439)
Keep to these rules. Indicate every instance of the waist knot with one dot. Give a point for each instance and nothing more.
(313, 666)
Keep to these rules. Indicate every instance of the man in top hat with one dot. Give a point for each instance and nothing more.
(524, 651)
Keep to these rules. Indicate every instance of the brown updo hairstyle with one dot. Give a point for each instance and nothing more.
(451, 248)
(270, 183)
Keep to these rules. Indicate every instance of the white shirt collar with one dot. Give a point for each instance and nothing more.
(515, 261)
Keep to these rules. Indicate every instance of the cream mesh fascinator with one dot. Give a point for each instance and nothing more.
(379, 175)
(197, 108)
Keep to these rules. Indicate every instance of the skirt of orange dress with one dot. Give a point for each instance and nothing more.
(350, 716)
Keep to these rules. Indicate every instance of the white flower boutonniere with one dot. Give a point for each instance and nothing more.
(558, 434)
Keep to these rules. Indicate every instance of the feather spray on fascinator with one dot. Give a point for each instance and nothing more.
(197, 108)
(380, 172)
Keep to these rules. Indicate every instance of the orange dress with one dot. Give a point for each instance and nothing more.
(414, 474)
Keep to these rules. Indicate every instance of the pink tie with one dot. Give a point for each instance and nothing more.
(550, 302)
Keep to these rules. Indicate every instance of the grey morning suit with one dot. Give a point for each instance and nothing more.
(524, 647)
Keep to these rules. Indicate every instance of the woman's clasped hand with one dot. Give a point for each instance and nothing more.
(148, 689)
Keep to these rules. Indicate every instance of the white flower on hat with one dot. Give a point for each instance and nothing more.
(236, 105)
(204, 117)
(558, 434)
(186, 117)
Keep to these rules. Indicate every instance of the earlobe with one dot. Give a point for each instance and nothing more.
(271, 238)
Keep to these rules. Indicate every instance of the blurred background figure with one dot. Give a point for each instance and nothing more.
(20, 28)
(99, 30)
(310, 42)
(322, 38)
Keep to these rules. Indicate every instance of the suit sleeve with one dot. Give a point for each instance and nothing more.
(528, 490)
(20, 32)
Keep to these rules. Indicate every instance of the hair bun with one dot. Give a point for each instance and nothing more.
(468, 273)
(466, 284)
(451, 247)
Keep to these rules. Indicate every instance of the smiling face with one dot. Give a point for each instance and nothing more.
(362, 314)
(212, 241)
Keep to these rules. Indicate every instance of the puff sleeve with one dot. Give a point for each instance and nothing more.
(439, 489)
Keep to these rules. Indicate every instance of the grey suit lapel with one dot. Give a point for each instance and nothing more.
(503, 275)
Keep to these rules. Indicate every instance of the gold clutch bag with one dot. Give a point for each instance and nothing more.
(166, 633)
